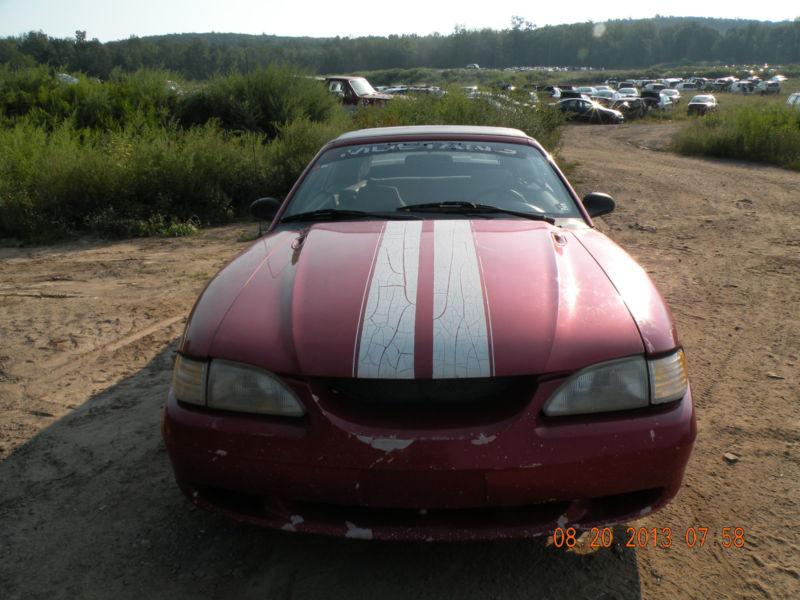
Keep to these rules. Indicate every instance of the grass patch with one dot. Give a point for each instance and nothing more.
(760, 131)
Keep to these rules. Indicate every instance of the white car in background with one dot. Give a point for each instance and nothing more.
(673, 95)
(742, 87)
(768, 87)
(686, 86)
(629, 92)
(605, 94)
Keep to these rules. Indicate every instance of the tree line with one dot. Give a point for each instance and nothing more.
(620, 44)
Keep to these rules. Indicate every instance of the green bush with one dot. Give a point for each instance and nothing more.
(261, 101)
(36, 95)
(138, 156)
(455, 108)
(759, 131)
(293, 149)
(54, 184)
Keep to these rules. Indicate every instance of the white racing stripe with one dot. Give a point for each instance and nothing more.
(460, 339)
(386, 348)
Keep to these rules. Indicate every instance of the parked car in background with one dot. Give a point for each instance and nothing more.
(701, 105)
(587, 111)
(571, 93)
(605, 97)
(630, 107)
(431, 342)
(654, 87)
(650, 97)
(473, 66)
(722, 84)
(355, 91)
(686, 86)
(585, 89)
(742, 87)
(766, 88)
(794, 100)
(628, 91)
(673, 95)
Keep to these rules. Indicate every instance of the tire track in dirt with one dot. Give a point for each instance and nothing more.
(732, 281)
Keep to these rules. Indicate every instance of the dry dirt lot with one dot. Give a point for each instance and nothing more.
(87, 333)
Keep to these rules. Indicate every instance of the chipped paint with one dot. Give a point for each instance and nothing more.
(385, 444)
(357, 533)
(292, 523)
(532, 466)
(483, 439)
(562, 521)
(645, 511)
(652, 435)
(221, 453)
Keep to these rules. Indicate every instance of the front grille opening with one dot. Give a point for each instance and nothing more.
(427, 402)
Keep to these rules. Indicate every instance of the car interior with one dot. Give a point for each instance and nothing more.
(387, 182)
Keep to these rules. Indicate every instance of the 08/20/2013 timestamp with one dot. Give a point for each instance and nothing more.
(652, 537)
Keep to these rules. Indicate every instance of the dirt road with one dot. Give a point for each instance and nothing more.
(88, 508)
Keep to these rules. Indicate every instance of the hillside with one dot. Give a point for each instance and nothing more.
(619, 44)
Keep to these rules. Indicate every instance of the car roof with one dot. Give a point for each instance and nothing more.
(416, 130)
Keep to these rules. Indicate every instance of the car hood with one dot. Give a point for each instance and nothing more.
(428, 299)
(377, 96)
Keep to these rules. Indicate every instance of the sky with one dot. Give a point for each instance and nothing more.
(119, 19)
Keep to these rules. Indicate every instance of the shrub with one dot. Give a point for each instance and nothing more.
(261, 101)
(36, 95)
(136, 156)
(117, 183)
(293, 149)
(762, 132)
(455, 108)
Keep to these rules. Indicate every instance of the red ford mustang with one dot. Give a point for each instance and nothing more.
(431, 341)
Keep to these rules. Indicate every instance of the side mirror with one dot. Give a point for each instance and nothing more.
(265, 209)
(597, 204)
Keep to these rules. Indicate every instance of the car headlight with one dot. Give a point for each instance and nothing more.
(227, 385)
(621, 384)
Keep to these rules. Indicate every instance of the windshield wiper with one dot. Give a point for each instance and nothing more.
(334, 214)
(473, 208)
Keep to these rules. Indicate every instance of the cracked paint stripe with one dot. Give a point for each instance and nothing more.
(460, 334)
(386, 348)
(423, 351)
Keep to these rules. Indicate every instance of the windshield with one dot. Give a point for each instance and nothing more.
(702, 99)
(362, 87)
(385, 177)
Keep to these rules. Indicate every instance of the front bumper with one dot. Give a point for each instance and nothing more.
(517, 477)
